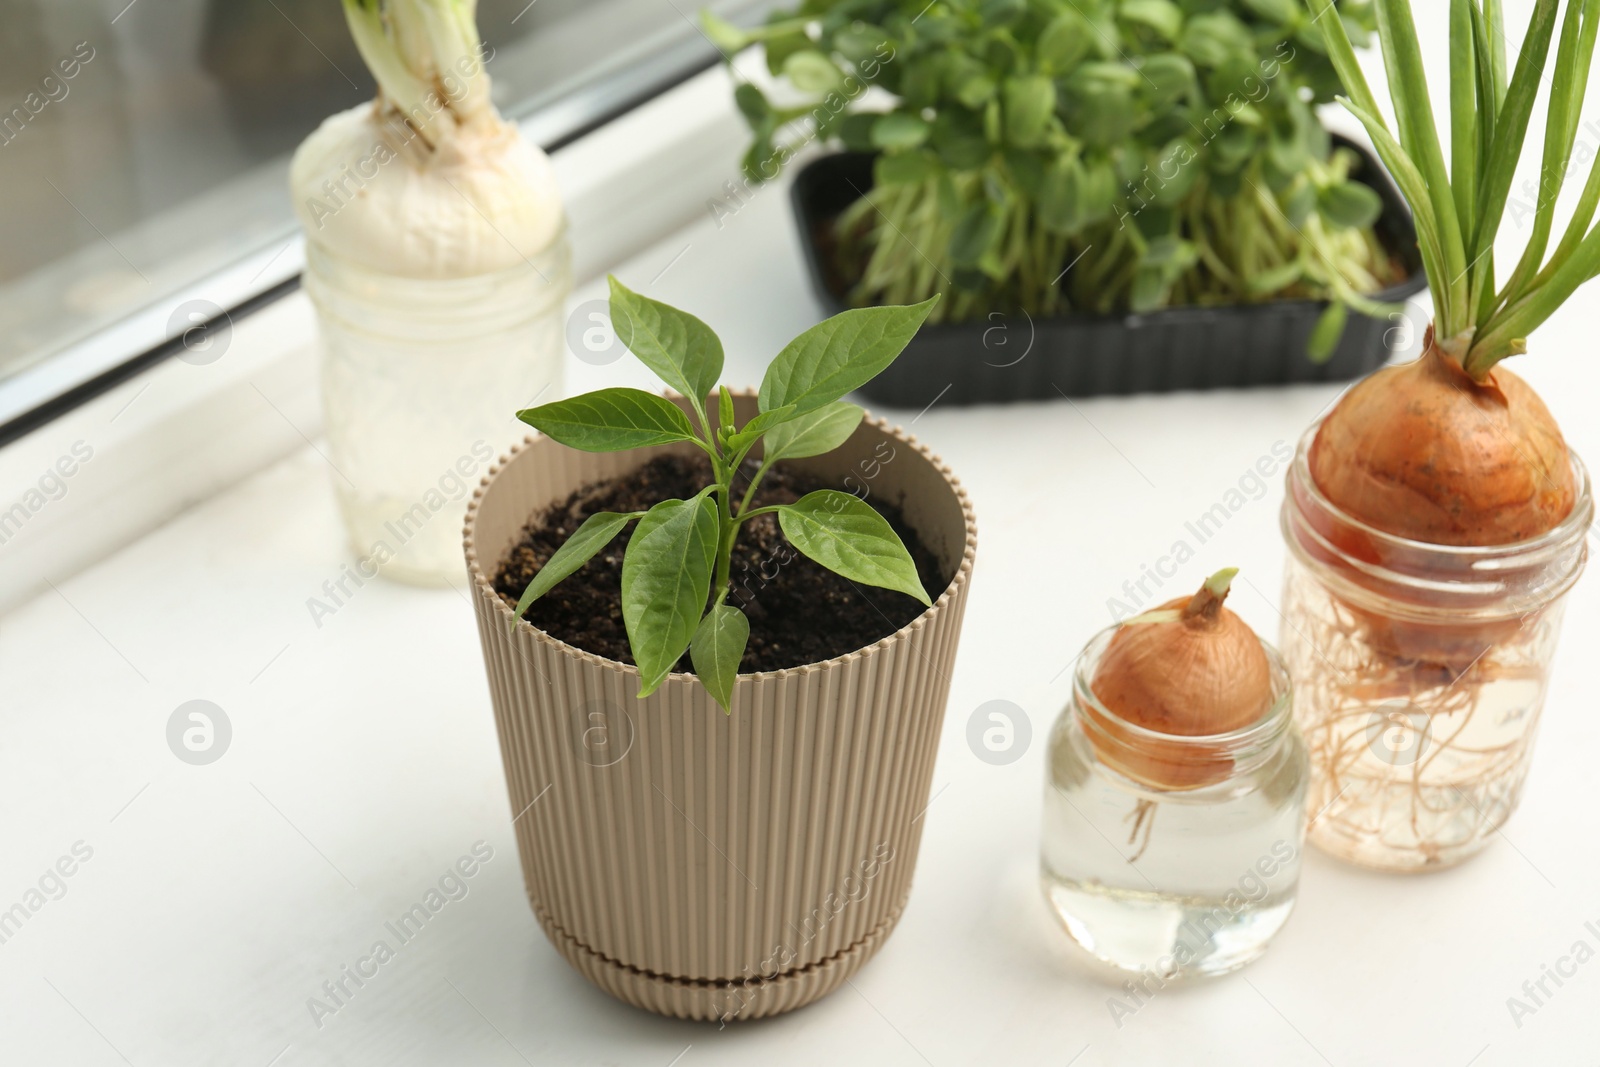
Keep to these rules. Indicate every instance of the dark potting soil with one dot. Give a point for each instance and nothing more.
(799, 611)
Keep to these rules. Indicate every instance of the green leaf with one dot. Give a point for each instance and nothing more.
(1107, 119)
(682, 350)
(1001, 12)
(813, 72)
(1326, 334)
(725, 35)
(724, 410)
(1176, 168)
(1061, 196)
(904, 168)
(1029, 104)
(840, 354)
(752, 104)
(975, 90)
(1212, 39)
(1412, 186)
(1162, 16)
(1343, 56)
(959, 139)
(1300, 203)
(860, 42)
(899, 130)
(1064, 43)
(597, 531)
(1232, 147)
(611, 420)
(815, 433)
(1093, 79)
(781, 47)
(1169, 77)
(846, 535)
(1350, 205)
(666, 580)
(716, 650)
(1408, 89)
(1465, 139)
(1283, 12)
(1169, 252)
(760, 162)
(856, 131)
(1511, 127)
(976, 233)
(1573, 59)
(1150, 289)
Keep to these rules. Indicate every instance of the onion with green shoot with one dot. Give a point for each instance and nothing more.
(437, 261)
(1453, 449)
(427, 181)
(1190, 668)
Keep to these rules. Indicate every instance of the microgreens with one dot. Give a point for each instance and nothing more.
(676, 571)
(1093, 156)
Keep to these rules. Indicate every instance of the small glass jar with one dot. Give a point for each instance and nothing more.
(1421, 671)
(421, 381)
(1163, 881)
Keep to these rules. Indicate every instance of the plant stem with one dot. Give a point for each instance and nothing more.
(427, 58)
(729, 529)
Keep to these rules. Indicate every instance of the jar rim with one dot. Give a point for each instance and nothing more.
(1267, 729)
(1560, 538)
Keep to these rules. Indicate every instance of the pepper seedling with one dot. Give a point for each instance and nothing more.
(676, 571)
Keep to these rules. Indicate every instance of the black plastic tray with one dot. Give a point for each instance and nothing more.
(1011, 357)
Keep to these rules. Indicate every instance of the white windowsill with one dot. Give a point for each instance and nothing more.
(364, 759)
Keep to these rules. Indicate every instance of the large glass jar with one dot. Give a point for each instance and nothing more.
(1420, 671)
(421, 381)
(1172, 882)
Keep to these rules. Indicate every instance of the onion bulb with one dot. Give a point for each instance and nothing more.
(1427, 452)
(1190, 668)
(427, 181)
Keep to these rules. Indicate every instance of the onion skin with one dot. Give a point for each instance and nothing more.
(1425, 452)
(481, 202)
(1199, 671)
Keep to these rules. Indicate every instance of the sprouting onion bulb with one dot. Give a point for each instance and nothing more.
(1453, 449)
(427, 181)
(1191, 668)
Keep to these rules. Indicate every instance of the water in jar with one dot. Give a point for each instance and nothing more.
(1171, 883)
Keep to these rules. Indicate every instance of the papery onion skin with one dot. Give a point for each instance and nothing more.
(369, 190)
(1202, 674)
(1191, 668)
(1425, 452)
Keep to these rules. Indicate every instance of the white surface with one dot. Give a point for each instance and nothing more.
(364, 762)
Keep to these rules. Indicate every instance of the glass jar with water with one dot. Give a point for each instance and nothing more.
(1172, 855)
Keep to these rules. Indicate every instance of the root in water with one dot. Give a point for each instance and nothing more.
(1143, 817)
(1415, 760)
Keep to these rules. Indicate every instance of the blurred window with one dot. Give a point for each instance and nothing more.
(144, 146)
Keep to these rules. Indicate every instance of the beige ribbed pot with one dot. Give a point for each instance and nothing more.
(706, 865)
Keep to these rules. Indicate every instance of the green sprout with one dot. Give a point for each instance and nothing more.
(676, 571)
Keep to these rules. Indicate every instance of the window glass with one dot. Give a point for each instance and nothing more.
(145, 145)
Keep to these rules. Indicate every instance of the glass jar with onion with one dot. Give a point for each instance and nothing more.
(1421, 671)
(437, 260)
(1175, 796)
